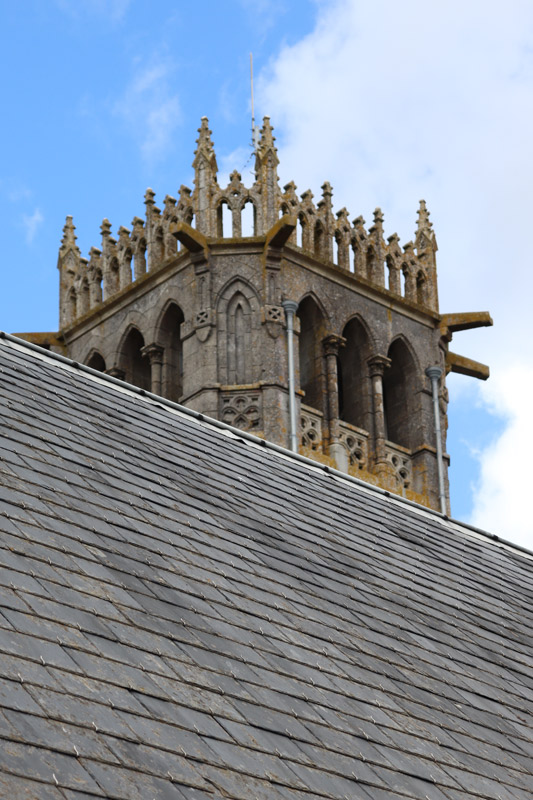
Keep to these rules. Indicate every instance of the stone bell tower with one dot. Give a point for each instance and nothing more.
(195, 302)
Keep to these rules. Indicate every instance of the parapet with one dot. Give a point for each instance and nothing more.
(408, 273)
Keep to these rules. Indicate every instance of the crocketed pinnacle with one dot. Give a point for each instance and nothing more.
(267, 139)
(424, 223)
(68, 242)
(205, 146)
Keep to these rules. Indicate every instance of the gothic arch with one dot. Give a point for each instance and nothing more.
(135, 366)
(95, 360)
(238, 333)
(355, 399)
(401, 395)
(168, 335)
(220, 215)
(311, 358)
(249, 220)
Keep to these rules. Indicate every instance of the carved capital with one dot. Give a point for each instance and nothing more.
(378, 364)
(332, 344)
(154, 353)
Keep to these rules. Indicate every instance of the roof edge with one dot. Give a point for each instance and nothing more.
(263, 443)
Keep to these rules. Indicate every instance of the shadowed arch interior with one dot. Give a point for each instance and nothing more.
(136, 367)
(169, 336)
(399, 396)
(96, 361)
(354, 382)
(312, 331)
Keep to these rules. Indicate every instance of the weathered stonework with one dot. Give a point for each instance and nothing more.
(188, 309)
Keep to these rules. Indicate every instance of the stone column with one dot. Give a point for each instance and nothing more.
(154, 352)
(331, 345)
(377, 366)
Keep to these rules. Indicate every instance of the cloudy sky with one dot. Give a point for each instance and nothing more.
(389, 101)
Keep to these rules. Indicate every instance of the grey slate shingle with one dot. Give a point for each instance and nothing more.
(185, 615)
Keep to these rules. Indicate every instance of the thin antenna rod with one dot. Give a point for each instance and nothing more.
(254, 129)
(252, 87)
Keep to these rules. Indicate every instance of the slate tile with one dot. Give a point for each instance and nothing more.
(42, 764)
(131, 784)
(337, 626)
(25, 788)
(68, 739)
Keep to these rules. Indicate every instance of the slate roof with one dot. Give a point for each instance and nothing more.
(185, 613)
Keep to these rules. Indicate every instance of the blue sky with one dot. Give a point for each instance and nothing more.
(389, 101)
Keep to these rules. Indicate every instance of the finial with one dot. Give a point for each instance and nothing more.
(105, 228)
(424, 223)
(149, 197)
(267, 139)
(204, 140)
(68, 242)
(378, 218)
(123, 234)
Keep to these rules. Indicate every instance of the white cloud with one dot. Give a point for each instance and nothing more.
(150, 109)
(502, 496)
(31, 224)
(392, 102)
(395, 101)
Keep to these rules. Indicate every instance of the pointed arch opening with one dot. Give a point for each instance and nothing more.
(135, 366)
(96, 361)
(337, 250)
(248, 219)
(311, 359)
(169, 337)
(224, 220)
(353, 377)
(400, 396)
(300, 230)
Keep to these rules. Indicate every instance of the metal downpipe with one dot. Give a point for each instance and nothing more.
(290, 307)
(434, 374)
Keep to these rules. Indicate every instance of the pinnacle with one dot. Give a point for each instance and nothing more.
(204, 141)
(423, 217)
(267, 139)
(69, 237)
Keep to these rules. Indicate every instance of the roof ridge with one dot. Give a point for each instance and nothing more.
(449, 521)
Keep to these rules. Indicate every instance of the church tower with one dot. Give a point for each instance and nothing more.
(209, 299)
